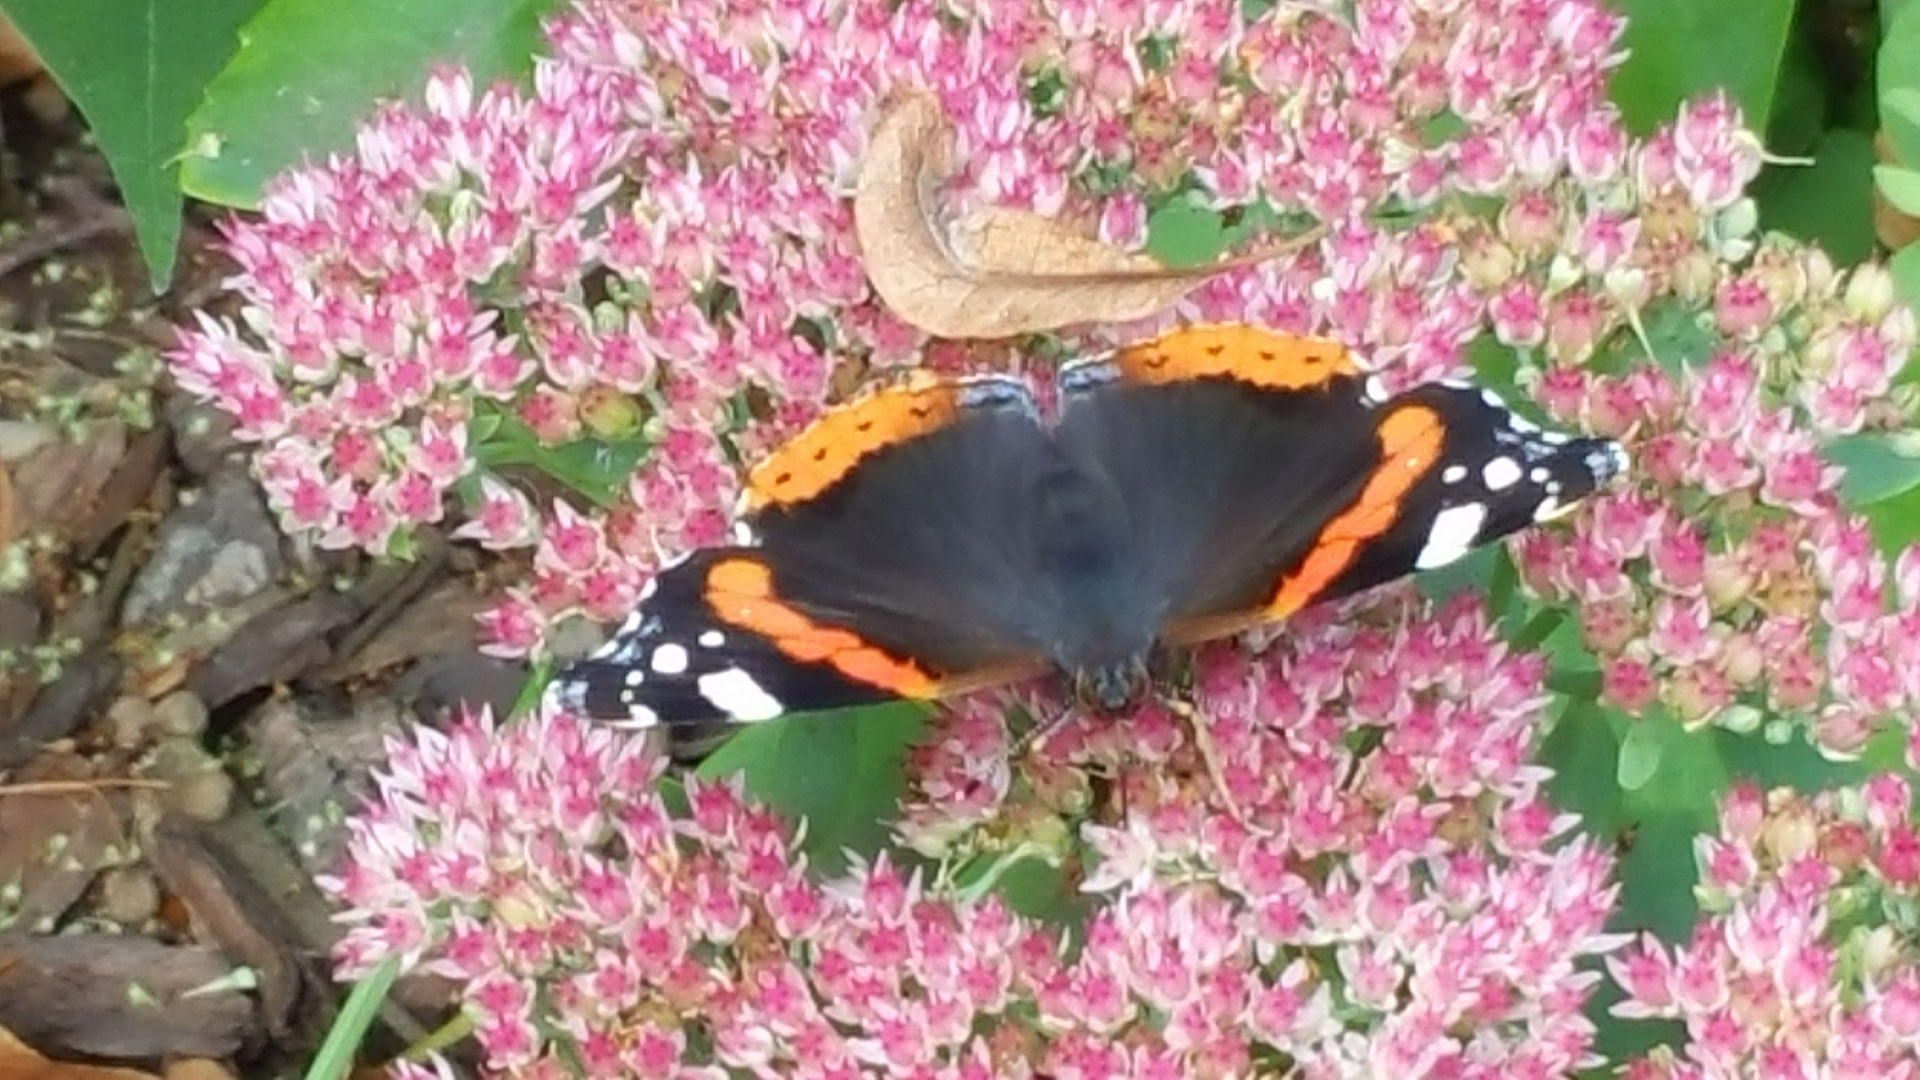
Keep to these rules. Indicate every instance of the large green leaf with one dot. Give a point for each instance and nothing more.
(135, 71)
(1681, 340)
(1037, 889)
(1681, 49)
(1905, 268)
(1829, 202)
(1183, 234)
(1794, 764)
(841, 771)
(1878, 466)
(1898, 72)
(1800, 101)
(1675, 798)
(1895, 520)
(309, 70)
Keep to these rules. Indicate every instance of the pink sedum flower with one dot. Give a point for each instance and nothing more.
(1776, 980)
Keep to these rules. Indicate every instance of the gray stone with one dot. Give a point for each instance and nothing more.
(217, 548)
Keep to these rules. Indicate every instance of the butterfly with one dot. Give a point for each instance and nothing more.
(942, 535)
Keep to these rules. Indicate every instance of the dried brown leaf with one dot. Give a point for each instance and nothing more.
(18, 1061)
(57, 832)
(197, 1069)
(1893, 228)
(122, 997)
(18, 61)
(995, 273)
(233, 911)
(6, 505)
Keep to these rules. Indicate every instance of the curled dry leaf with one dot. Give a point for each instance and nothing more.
(1000, 271)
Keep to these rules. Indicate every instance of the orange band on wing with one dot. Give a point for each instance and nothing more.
(831, 446)
(1263, 358)
(1410, 442)
(740, 593)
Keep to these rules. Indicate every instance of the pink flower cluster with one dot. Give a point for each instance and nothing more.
(372, 290)
(594, 932)
(1416, 907)
(1804, 963)
(1413, 908)
(1733, 583)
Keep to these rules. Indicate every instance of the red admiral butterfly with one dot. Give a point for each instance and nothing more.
(942, 535)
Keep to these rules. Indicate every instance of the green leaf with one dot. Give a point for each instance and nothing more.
(1495, 366)
(1473, 573)
(1900, 186)
(598, 469)
(1905, 268)
(1897, 71)
(1895, 521)
(1795, 764)
(1800, 106)
(1891, 11)
(1689, 774)
(309, 70)
(135, 72)
(1578, 748)
(1829, 202)
(1879, 466)
(1680, 49)
(1037, 889)
(1642, 750)
(841, 771)
(1581, 743)
(1678, 801)
(1181, 234)
(1680, 339)
(1900, 115)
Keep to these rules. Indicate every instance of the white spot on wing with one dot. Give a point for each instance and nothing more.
(638, 717)
(669, 659)
(1453, 534)
(712, 639)
(734, 692)
(1550, 508)
(1500, 474)
(1453, 474)
(635, 677)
